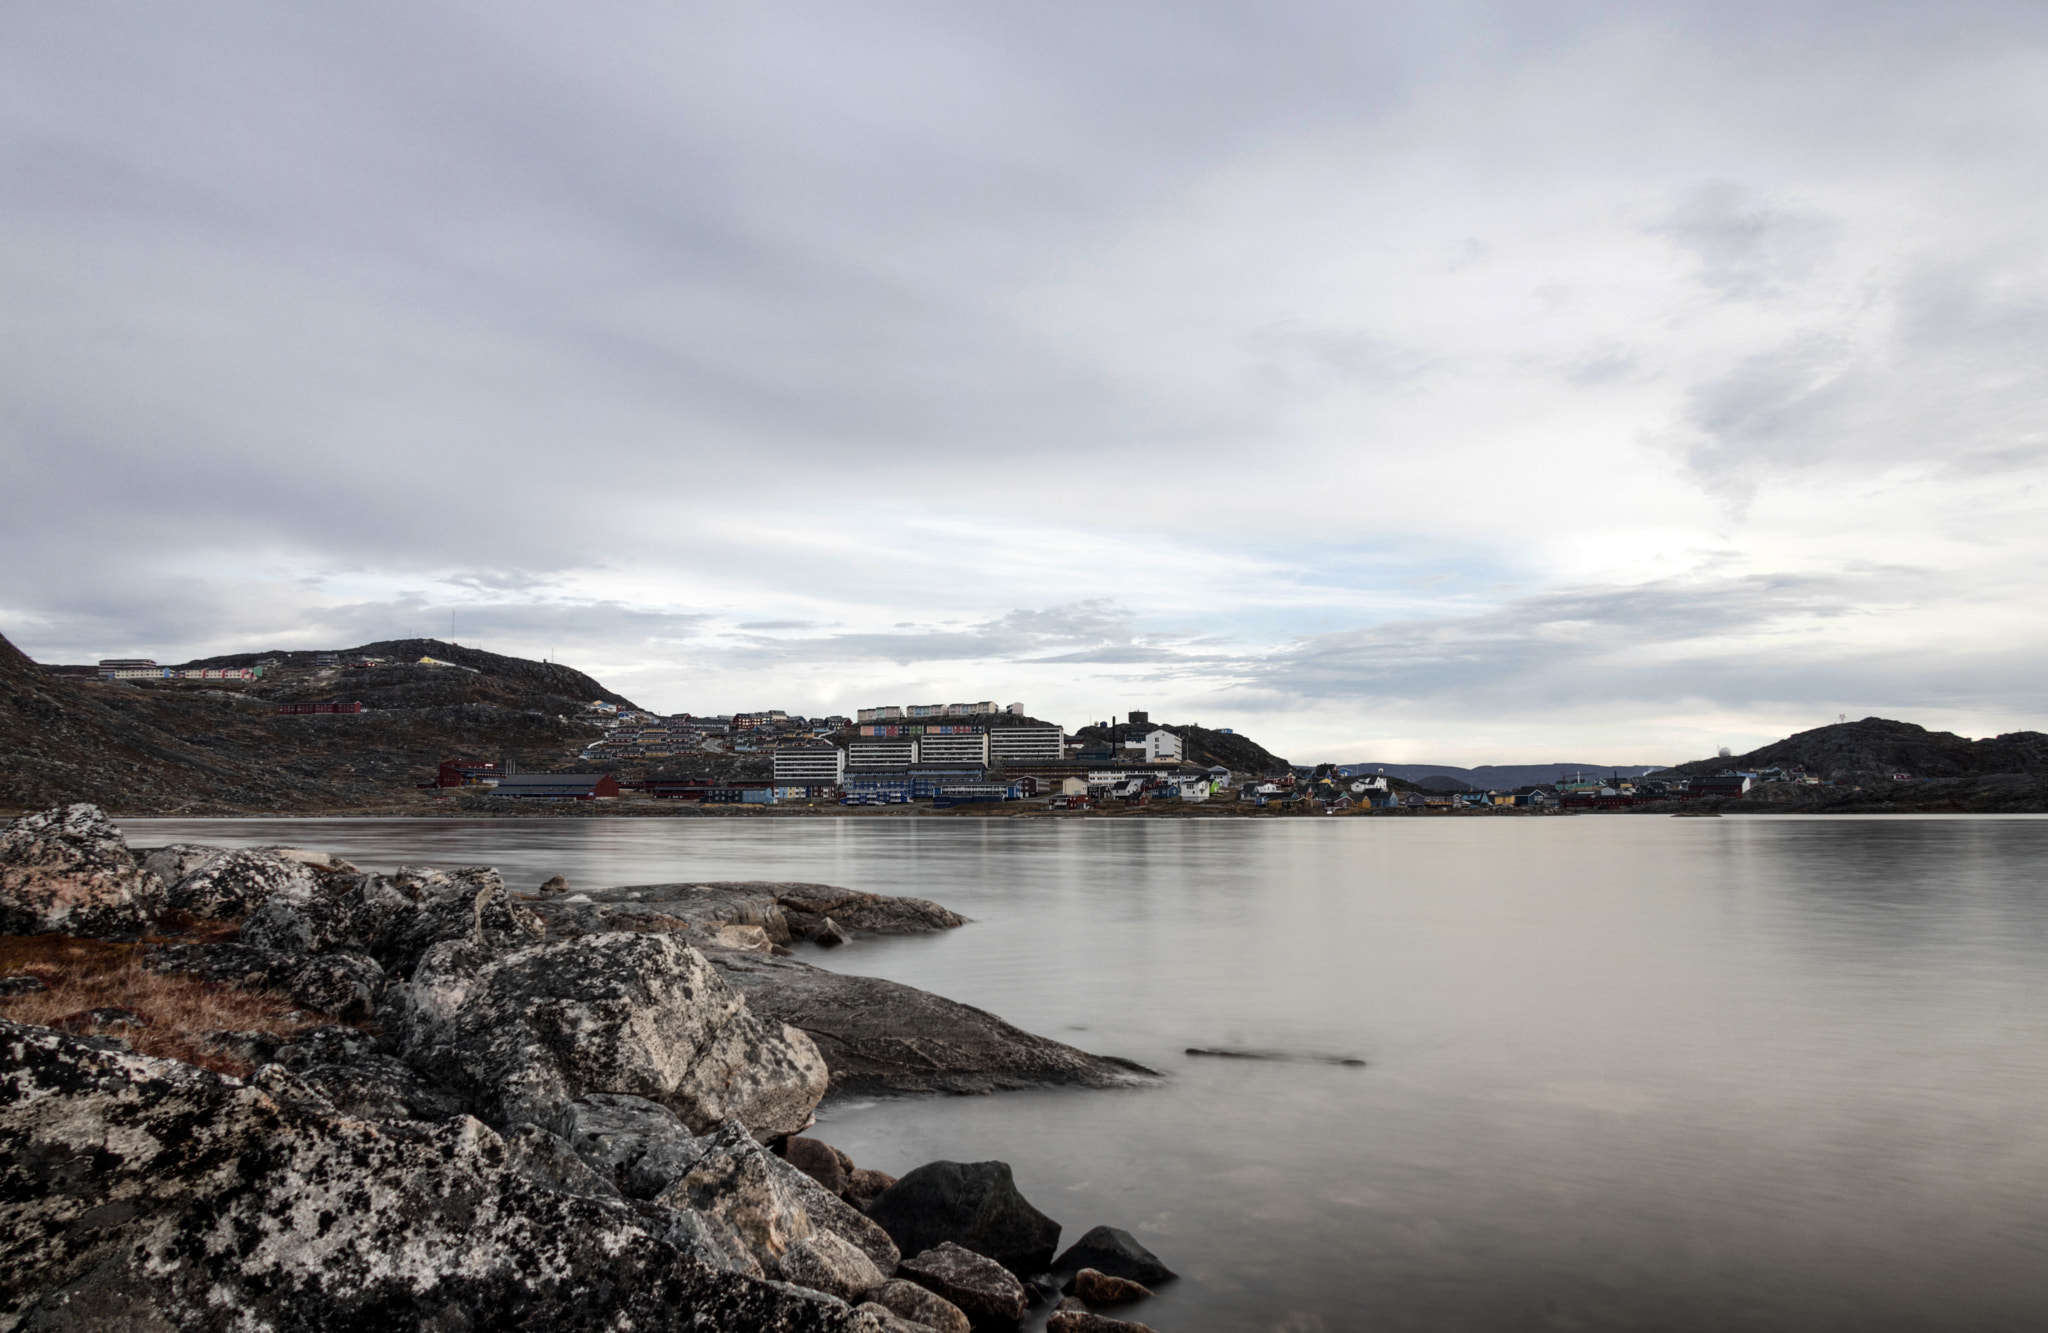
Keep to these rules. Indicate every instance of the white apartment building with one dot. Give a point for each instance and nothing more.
(1162, 745)
(810, 763)
(1026, 743)
(881, 753)
(969, 749)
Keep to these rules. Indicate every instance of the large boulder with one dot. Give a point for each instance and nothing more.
(526, 1033)
(979, 1286)
(400, 917)
(972, 1204)
(148, 1194)
(919, 1305)
(771, 1206)
(1114, 1251)
(313, 925)
(343, 985)
(231, 884)
(69, 870)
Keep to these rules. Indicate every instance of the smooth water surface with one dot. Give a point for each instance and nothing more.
(1622, 1073)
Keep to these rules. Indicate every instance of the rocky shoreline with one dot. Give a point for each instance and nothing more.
(447, 1105)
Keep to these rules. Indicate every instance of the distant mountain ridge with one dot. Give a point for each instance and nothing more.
(1499, 777)
(1878, 747)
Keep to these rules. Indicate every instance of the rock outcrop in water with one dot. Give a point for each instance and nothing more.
(783, 911)
(883, 1036)
(551, 1129)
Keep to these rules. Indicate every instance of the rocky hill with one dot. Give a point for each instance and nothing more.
(1876, 748)
(189, 747)
(1239, 754)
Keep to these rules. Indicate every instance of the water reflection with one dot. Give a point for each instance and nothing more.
(1624, 1073)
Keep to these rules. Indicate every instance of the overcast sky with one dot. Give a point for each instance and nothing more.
(1458, 383)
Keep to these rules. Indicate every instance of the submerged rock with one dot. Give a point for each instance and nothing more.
(973, 1204)
(525, 1034)
(1099, 1288)
(69, 870)
(980, 1287)
(143, 1193)
(1114, 1251)
(883, 1036)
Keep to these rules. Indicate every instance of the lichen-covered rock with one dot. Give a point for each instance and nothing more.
(881, 1319)
(825, 1262)
(1099, 1288)
(147, 1194)
(1114, 1251)
(640, 1146)
(314, 925)
(171, 864)
(21, 983)
(526, 1033)
(770, 1204)
(982, 1288)
(975, 1204)
(547, 1159)
(346, 985)
(385, 1090)
(397, 918)
(231, 884)
(335, 1044)
(69, 870)
(919, 1305)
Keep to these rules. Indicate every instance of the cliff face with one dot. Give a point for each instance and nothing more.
(184, 748)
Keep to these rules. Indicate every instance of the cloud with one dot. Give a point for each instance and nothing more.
(1747, 249)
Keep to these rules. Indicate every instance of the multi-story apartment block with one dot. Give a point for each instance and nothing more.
(881, 753)
(809, 763)
(1026, 743)
(972, 748)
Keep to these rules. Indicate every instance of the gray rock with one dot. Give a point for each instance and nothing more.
(884, 1320)
(907, 1300)
(21, 983)
(335, 1044)
(1114, 1251)
(825, 1262)
(525, 1034)
(69, 870)
(547, 1159)
(1099, 1288)
(882, 1036)
(829, 936)
(553, 884)
(231, 884)
(345, 985)
(256, 1048)
(147, 1194)
(983, 1289)
(640, 1146)
(397, 918)
(973, 1204)
(302, 925)
(783, 911)
(1071, 1303)
(233, 964)
(171, 864)
(384, 1090)
(769, 1204)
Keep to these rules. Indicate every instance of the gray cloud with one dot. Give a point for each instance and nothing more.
(1747, 249)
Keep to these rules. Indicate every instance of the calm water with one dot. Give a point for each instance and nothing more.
(1624, 1073)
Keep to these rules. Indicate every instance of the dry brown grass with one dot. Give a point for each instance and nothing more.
(178, 1012)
